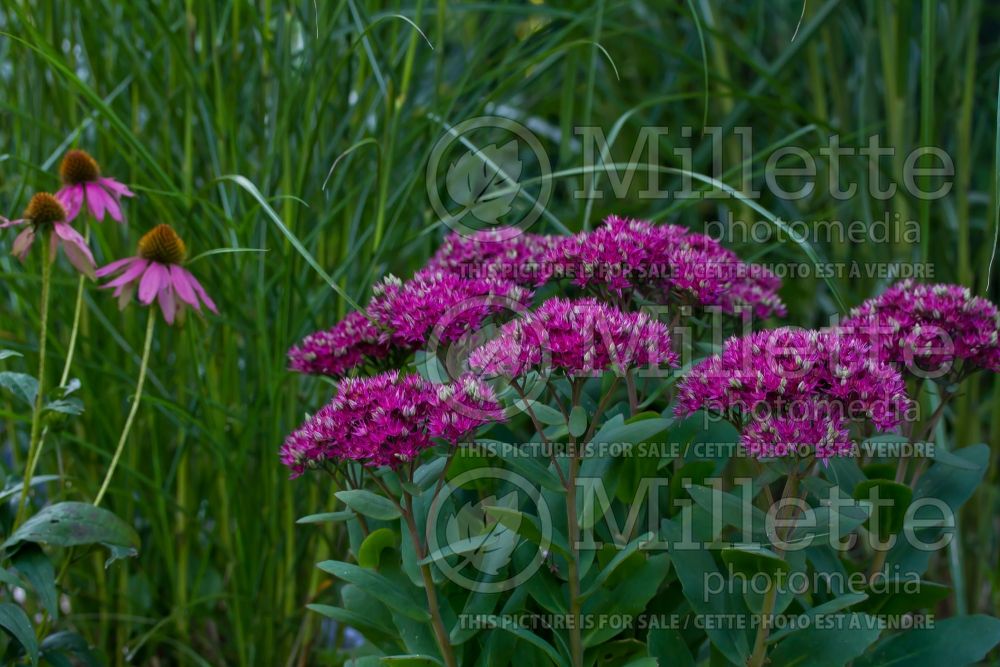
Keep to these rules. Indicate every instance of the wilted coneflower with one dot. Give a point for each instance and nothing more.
(45, 214)
(83, 183)
(157, 273)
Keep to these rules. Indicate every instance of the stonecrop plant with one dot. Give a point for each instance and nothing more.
(536, 440)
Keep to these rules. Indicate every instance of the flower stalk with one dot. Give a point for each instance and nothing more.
(35, 442)
(759, 655)
(143, 365)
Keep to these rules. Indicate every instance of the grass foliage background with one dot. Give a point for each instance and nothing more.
(226, 117)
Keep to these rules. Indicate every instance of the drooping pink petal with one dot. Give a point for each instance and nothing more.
(22, 244)
(181, 282)
(76, 249)
(111, 204)
(71, 197)
(96, 198)
(132, 273)
(116, 188)
(167, 303)
(125, 293)
(153, 280)
(201, 292)
(4, 222)
(114, 267)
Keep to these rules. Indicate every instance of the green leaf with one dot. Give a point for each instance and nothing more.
(373, 546)
(15, 622)
(526, 635)
(634, 431)
(327, 517)
(36, 567)
(695, 569)
(377, 586)
(958, 641)
(839, 640)
(735, 510)
(577, 421)
(9, 578)
(369, 624)
(365, 502)
(410, 661)
(900, 595)
(849, 517)
(5, 354)
(669, 648)
(65, 406)
(620, 557)
(429, 473)
(893, 498)
(529, 527)
(833, 606)
(949, 484)
(750, 560)
(66, 642)
(532, 469)
(21, 385)
(15, 489)
(547, 415)
(71, 524)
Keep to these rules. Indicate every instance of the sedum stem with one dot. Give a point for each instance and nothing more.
(143, 365)
(573, 573)
(437, 622)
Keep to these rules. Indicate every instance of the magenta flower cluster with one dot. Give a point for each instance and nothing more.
(930, 327)
(664, 261)
(505, 253)
(792, 388)
(577, 336)
(351, 343)
(405, 316)
(440, 304)
(387, 420)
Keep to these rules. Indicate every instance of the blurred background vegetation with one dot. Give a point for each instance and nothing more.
(171, 97)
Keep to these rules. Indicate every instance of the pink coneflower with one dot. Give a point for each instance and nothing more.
(156, 273)
(46, 213)
(82, 182)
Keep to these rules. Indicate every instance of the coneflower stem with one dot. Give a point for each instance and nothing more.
(135, 406)
(70, 351)
(76, 322)
(35, 442)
